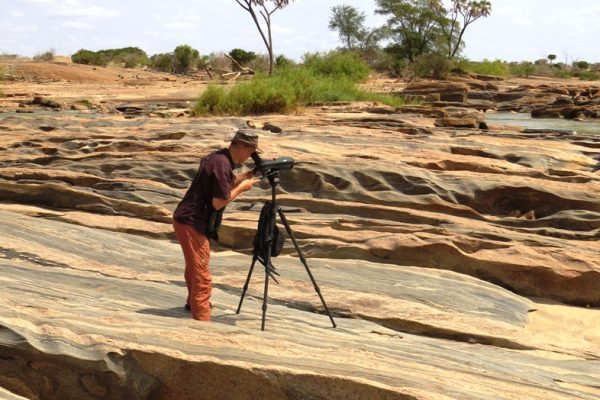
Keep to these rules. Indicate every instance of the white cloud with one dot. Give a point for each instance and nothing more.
(180, 26)
(18, 29)
(280, 29)
(16, 14)
(77, 25)
(36, 1)
(72, 9)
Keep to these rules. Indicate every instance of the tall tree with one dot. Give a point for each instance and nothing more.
(349, 22)
(457, 18)
(251, 6)
(414, 24)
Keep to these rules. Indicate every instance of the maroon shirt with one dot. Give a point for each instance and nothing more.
(214, 179)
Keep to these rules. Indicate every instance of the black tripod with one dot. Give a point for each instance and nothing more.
(266, 243)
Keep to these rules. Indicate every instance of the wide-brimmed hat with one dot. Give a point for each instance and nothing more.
(246, 136)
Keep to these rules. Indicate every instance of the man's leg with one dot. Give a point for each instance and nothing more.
(196, 251)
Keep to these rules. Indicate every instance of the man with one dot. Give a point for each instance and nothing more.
(197, 216)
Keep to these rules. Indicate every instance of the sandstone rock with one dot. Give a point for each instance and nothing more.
(428, 111)
(441, 87)
(171, 136)
(45, 102)
(271, 128)
(453, 122)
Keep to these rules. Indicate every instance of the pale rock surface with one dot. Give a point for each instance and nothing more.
(457, 263)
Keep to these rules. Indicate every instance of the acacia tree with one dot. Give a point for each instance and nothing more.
(414, 24)
(251, 6)
(453, 29)
(348, 21)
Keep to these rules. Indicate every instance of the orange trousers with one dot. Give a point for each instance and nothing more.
(196, 252)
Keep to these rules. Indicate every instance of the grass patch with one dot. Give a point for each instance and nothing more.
(284, 92)
(485, 67)
(589, 76)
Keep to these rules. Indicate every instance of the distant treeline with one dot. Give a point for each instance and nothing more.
(180, 61)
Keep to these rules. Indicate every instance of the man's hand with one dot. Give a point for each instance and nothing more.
(243, 186)
(248, 183)
(243, 176)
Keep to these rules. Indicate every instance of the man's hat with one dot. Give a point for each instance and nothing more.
(246, 136)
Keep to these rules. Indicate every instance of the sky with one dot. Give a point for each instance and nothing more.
(517, 30)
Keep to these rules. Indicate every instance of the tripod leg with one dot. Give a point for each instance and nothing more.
(246, 284)
(303, 260)
(267, 265)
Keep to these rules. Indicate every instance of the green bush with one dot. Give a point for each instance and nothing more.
(285, 91)
(337, 64)
(432, 66)
(185, 58)
(562, 74)
(282, 61)
(129, 57)
(243, 57)
(523, 69)
(487, 67)
(162, 62)
(589, 76)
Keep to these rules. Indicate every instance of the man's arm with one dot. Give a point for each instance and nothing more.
(243, 186)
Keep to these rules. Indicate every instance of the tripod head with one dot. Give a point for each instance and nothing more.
(270, 168)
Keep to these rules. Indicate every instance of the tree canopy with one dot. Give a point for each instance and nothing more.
(349, 23)
(426, 26)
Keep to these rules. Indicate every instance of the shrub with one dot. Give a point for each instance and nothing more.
(337, 64)
(285, 91)
(243, 57)
(581, 64)
(282, 61)
(84, 56)
(487, 67)
(184, 59)
(432, 66)
(562, 74)
(45, 56)
(128, 57)
(589, 76)
(523, 69)
(162, 62)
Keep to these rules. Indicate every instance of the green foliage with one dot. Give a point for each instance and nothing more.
(88, 57)
(162, 62)
(581, 64)
(349, 23)
(432, 66)
(185, 58)
(283, 92)
(282, 61)
(45, 56)
(562, 74)
(414, 26)
(243, 57)
(181, 61)
(589, 76)
(487, 67)
(523, 69)
(337, 64)
(129, 57)
(551, 58)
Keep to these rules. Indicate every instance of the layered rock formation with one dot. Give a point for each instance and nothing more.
(457, 262)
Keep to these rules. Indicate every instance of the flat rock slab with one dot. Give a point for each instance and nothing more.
(101, 314)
